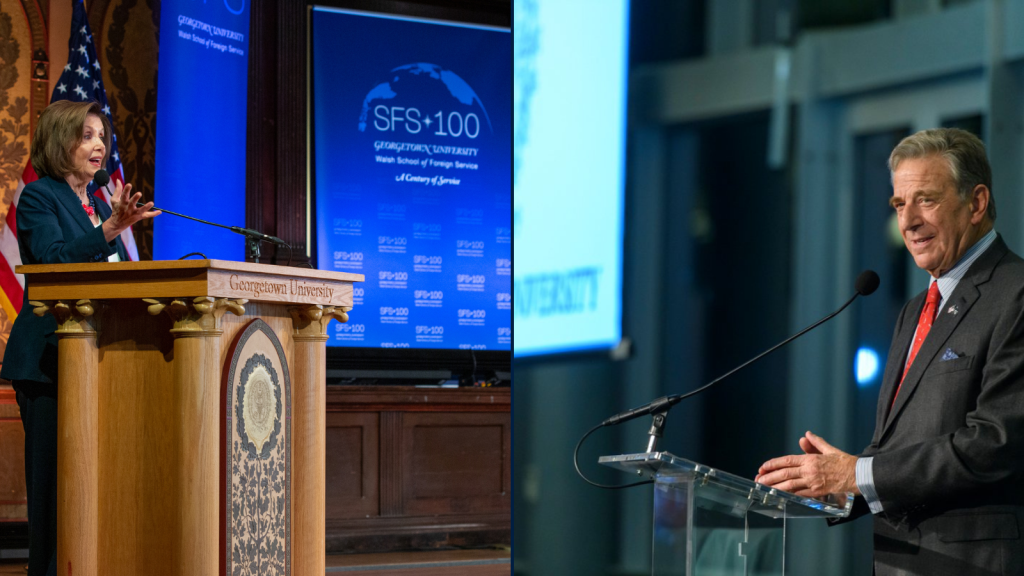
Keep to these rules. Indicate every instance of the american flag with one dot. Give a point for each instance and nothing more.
(80, 81)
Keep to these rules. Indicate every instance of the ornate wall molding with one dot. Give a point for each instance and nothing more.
(17, 41)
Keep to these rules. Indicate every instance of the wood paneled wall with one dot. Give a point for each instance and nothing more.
(417, 467)
(13, 496)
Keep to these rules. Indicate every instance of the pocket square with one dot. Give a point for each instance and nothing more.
(949, 355)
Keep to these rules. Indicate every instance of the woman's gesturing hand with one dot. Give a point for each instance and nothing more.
(125, 211)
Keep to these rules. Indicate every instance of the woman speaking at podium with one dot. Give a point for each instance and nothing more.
(59, 222)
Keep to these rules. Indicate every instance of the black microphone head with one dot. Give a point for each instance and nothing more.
(867, 283)
(101, 178)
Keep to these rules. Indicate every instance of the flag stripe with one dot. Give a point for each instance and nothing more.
(11, 256)
(5, 303)
(12, 222)
(9, 285)
(28, 175)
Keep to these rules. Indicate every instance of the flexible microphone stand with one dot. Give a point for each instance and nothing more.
(252, 237)
(866, 284)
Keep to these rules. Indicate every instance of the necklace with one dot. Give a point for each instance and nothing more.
(90, 208)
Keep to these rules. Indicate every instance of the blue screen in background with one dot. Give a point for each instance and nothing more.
(201, 115)
(413, 128)
(570, 129)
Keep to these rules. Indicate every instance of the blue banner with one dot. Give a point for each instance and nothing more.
(413, 127)
(201, 121)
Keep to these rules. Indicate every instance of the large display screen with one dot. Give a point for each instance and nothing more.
(570, 127)
(201, 115)
(412, 134)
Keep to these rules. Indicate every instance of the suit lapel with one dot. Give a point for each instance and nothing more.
(957, 306)
(894, 364)
(67, 197)
(962, 298)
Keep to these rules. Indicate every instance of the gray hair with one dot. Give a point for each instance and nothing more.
(963, 151)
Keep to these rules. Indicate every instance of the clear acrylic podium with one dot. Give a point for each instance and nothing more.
(712, 523)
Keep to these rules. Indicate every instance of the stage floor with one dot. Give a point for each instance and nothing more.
(428, 563)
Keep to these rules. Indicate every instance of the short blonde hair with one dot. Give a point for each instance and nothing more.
(964, 153)
(59, 131)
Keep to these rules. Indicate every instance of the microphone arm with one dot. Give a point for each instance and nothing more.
(867, 283)
(253, 237)
(665, 403)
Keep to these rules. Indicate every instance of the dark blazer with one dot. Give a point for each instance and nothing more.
(949, 455)
(52, 229)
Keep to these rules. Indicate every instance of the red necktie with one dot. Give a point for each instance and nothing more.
(924, 324)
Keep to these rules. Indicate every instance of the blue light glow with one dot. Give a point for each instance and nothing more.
(865, 366)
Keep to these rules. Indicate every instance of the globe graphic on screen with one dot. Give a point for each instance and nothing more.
(445, 105)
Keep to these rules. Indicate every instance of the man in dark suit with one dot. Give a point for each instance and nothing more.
(942, 475)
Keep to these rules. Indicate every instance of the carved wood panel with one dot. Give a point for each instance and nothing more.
(442, 461)
(455, 463)
(353, 478)
(391, 464)
(13, 496)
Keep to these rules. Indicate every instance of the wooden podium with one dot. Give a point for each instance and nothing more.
(191, 414)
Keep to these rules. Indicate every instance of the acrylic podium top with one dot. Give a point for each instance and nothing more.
(727, 492)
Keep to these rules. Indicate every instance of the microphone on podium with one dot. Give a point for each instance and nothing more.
(866, 283)
(101, 178)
